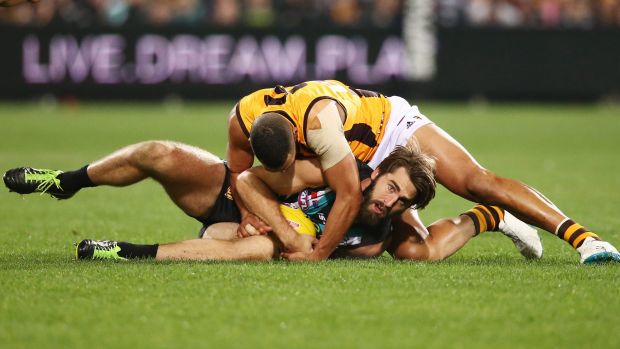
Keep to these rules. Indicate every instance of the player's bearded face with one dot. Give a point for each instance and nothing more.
(373, 212)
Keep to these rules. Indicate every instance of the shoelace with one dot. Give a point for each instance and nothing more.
(105, 246)
(103, 249)
(47, 179)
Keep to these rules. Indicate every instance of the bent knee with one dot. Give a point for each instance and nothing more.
(152, 152)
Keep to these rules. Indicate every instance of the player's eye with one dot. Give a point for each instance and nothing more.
(406, 202)
(391, 188)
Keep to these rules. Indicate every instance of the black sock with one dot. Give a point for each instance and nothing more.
(129, 250)
(75, 180)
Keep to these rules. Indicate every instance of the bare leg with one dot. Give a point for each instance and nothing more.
(192, 177)
(447, 236)
(458, 171)
(259, 247)
(251, 248)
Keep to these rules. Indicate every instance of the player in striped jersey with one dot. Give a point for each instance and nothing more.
(337, 124)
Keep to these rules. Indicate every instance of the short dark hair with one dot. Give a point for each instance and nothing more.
(419, 166)
(270, 138)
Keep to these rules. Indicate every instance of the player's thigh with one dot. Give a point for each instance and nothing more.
(455, 166)
(183, 164)
(192, 176)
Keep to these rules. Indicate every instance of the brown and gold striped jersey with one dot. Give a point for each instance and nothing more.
(366, 112)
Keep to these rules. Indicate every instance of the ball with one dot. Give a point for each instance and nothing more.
(298, 220)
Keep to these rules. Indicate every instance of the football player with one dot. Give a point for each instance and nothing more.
(338, 124)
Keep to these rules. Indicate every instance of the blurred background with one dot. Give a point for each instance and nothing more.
(221, 49)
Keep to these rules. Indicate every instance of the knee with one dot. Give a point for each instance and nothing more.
(149, 153)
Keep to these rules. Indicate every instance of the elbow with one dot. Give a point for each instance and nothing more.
(244, 183)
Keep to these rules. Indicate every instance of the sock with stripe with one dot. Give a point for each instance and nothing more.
(573, 233)
(485, 217)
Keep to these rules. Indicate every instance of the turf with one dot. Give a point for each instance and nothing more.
(485, 296)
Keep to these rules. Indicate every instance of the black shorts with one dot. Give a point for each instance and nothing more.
(225, 208)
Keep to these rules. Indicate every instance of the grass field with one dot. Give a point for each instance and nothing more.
(486, 296)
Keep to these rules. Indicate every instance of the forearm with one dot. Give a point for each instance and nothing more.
(261, 201)
(343, 178)
(340, 219)
(238, 201)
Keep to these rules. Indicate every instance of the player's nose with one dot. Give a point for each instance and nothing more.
(390, 200)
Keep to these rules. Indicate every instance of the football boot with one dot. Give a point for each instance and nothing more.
(27, 180)
(98, 249)
(597, 251)
(524, 237)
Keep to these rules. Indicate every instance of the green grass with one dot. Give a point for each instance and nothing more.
(486, 296)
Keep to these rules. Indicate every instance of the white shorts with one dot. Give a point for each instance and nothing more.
(404, 120)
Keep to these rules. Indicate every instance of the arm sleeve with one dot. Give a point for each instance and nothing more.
(328, 142)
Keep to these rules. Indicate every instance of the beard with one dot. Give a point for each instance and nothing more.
(367, 216)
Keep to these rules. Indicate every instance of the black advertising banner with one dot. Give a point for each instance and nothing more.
(142, 64)
(145, 63)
